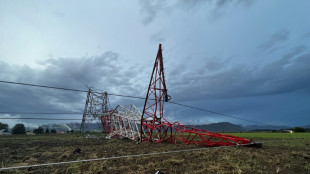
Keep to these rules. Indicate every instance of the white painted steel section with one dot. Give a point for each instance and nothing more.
(124, 122)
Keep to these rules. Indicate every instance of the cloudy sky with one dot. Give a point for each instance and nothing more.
(246, 58)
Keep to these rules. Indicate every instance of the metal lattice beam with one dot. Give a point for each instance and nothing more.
(96, 104)
(122, 122)
(155, 128)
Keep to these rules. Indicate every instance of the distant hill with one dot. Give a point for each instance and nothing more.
(229, 127)
(220, 127)
(260, 127)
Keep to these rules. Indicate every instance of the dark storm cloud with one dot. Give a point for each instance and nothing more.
(151, 9)
(289, 73)
(278, 37)
(80, 71)
(105, 72)
(212, 83)
(271, 93)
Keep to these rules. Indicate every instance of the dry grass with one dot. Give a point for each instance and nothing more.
(278, 155)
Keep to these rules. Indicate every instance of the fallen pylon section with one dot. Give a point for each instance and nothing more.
(122, 122)
(155, 128)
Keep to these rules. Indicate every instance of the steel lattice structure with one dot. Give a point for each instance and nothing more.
(96, 104)
(155, 128)
(122, 122)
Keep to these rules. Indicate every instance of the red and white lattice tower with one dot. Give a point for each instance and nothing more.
(122, 122)
(152, 115)
(155, 128)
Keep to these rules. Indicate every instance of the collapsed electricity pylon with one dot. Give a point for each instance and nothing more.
(155, 128)
(96, 104)
(122, 122)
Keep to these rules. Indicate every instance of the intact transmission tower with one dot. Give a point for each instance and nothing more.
(96, 104)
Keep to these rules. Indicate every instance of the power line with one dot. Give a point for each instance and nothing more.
(68, 89)
(37, 118)
(42, 113)
(193, 107)
(136, 97)
(50, 113)
(43, 86)
(205, 110)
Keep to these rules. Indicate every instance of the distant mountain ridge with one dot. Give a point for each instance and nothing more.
(220, 127)
(230, 127)
(261, 127)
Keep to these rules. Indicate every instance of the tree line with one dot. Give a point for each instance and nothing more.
(20, 129)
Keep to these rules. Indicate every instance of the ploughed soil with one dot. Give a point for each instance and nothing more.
(276, 156)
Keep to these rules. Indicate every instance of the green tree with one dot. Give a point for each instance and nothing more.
(19, 129)
(39, 130)
(4, 126)
(47, 131)
(299, 129)
(53, 131)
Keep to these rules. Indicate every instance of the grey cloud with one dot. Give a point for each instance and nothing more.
(216, 4)
(105, 72)
(278, 37)
(289, 73)
(79, 71)
(15, 119)
(212, 84)
(220, 7)
(305, 36)
(151, 9)
(221, 3)
(215, 64)
(276, 90)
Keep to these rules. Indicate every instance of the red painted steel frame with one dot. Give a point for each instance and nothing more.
(155, 128)
(106, 121)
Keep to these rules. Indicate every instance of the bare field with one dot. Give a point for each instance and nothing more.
(281, 153)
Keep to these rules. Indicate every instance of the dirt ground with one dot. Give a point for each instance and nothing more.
(278, 155)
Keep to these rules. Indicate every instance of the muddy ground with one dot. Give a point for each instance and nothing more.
(278, 155)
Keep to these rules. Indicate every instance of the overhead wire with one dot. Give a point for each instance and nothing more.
(36, 118)
(205, 110)
(136, 97)
(43, 86)
(193, 107)
(42, 113)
